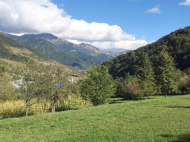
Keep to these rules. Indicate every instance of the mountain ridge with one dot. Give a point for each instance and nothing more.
(12, 51)
(87, 49)
(51, 51)
(177, 44)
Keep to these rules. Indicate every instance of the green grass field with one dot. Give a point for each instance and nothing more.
(157, 119)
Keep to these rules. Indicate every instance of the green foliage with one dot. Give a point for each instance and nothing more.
(177, 44)
(99, 86)
(132, 88)
(184, 84)
(165, 73)
(51, 90)
(119, 83)
(145, 74)
(7, 92)
(3, 68)
(32, 84)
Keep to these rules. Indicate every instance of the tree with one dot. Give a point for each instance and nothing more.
(99, 86)
(145, 74)
(32, 84)
(55, 85)
(165, 73)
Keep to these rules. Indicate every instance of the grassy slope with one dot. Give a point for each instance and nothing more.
(157, 119)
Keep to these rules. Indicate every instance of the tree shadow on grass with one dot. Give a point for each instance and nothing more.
(121, 100)
(116, 101)
(23, 115)
(64, 109)
(178, 106)
(179, 138)
(10, 116)
(183, 138)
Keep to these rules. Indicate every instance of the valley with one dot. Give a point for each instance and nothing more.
(94, 71)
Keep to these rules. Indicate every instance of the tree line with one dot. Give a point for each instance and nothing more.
(40, 83)
(177, 45)
(164, 79)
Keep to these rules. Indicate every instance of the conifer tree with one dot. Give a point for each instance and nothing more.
(165, 73)
(145, 74)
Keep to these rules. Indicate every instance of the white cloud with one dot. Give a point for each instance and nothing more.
(17, 34)
(187, 2)
(120, 45)
(43, 16)
(115, 45)
(154, 10)
(77, 42)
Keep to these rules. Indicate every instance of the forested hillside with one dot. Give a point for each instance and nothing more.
(177, 44)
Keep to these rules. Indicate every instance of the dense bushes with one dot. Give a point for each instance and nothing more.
(184, 84)
(131, 88)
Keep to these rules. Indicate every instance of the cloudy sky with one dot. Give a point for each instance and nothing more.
(107, 24)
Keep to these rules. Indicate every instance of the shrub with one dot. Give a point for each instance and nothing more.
(99, 86)
(133, 88)
(184, 84)
(119, 83)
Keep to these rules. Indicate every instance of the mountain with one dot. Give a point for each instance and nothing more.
(15, 54)
(51, 50)
(177, 44)
(84, 51)
(43, 36)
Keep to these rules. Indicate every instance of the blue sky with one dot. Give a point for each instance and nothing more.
(107, 24)
(130, 16)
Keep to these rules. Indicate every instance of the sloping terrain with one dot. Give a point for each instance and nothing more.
(50, 50)
(11, 50)
(84, 51)
(177, 44)
(157, 119)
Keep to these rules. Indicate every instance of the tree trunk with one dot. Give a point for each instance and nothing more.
(165, 95)
(53, 107)
(27, 107)
(53, 102)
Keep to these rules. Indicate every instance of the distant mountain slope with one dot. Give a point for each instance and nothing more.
(11, 50)
(16, 55)
(42, 36)
(51, 51)
(84, 51)
(177, 44)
